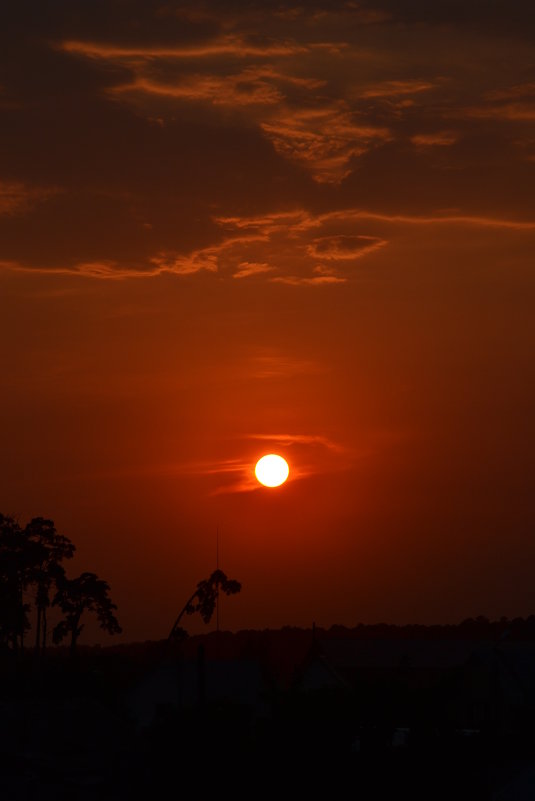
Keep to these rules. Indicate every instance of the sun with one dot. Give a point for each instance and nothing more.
(272, 470)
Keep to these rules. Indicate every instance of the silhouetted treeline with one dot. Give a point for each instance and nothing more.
(479, 628)
(282, 650)
(32, 574)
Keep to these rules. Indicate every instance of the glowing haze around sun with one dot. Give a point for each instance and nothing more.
(272, 470)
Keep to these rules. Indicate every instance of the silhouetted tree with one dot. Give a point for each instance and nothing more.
(50, 550)
(204, 599)
(18, 557)
(86, 593)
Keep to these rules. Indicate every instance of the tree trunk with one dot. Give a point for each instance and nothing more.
(75, 633)
(21, 602)
(182, 613)
(38, 631)
(74, 637)
(43, 645)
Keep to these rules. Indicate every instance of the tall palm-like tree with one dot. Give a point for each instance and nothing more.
(204, 599)
(51, 549)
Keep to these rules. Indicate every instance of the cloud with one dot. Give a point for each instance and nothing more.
(427, 220)
(209, 259)
(517, 90)
(234, 46)
(396, 88)
(246, 88)
(284, 440)
(515, 103)
(295, 248)
(436, 139)
(323, 105)
(105, 269)
(254, 85)
(293, 242)
(321, 133)
(17, 197)
(277, 365)
(315, 280)
(515, 112)
(297, 220)
(344, 247)
(246, 269)
(324, 139)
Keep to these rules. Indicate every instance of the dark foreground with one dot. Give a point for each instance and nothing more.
(339, 715)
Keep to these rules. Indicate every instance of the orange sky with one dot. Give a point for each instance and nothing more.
(230, 229)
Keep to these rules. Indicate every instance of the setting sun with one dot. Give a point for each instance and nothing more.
(272, 470)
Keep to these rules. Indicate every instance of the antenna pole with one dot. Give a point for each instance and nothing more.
(217, 567)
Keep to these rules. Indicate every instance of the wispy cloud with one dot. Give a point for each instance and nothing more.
(324, 139)
(17, 197)
(209, 259)
(243, 89)
(278, 365)
(321, 133)
(105, 270)
(436, 139)
(297, 220)
(247, 268)
(515, 112)
(445, 219)
(314, 280)
(286, 440)
(253, 85)
(396, 88)
(285, 239)
(234, 46)
(344, 247)
(515, 91)
(296, 248)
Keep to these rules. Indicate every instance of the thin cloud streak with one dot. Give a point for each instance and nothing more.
(515, 112)
(247, 269)
(285, 440)
(281, 366)
(236, 90)
(224, 46)
(315, 280)
(437, 139)
(344, 248)
(17, 197)
(455, 219)
(395, 88)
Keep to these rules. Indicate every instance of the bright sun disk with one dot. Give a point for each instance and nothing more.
(272, 470)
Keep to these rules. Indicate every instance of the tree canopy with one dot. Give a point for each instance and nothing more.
(31, 568)
(86, 593)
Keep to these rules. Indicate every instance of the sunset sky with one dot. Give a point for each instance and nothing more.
(236, 228)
